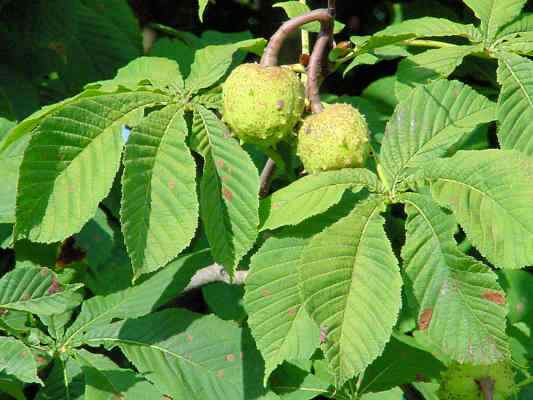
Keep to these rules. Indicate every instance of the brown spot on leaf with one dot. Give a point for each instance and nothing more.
(171, 184)
(419, 377)
(227, 134)
(276, 205)
(220, 163)
(3, 311)
(55, 287)
(220, 373)
(224, 178)
(279, 105)
(265, 292)
(292, 311)
(59, 48)
(228, 195)
(44, 271)
(230, 357)
(520, 307)
(40, 360)
(495, 297)
(324, 330)
(25, 296)
(189, 338)
(425, 319)
(97, 238)
(24, 354)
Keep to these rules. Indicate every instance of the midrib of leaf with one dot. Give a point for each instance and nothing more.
(377, 205)
(65, 378)
(518, 81)
(483, 194)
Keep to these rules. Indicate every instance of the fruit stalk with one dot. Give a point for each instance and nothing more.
(270, 56)
(318, 57)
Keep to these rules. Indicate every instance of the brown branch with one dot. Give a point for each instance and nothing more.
(315, 68)
(486, 385)
(214, 273)
(270, 56)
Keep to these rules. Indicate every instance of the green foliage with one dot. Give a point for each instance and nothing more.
(124, 192)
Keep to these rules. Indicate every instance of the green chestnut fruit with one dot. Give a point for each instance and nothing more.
(262, 104)
(462, 381)
(335, 138)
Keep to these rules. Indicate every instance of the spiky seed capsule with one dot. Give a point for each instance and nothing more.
(336, 138)
(460, 381)
(262, 104)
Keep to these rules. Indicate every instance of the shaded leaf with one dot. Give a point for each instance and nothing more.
(65, 382)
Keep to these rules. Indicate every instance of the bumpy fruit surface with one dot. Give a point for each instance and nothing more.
(336, 138)
(459, 381)
(262, 104)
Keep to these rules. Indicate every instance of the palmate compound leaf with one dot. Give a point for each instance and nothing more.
(188, 356)
(312, 195)
(36, 290)
(17, 360)
(494, 14)
(515, 104)
(137, 300)
(104, 380)
(489, 192)
(426, 124)
(159, 211)
(280, 324)
(461, 306)
(351, 286)
(71, 161)
(229, 190)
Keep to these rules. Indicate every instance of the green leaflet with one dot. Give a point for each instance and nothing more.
(312, 195)
(494, 14)
(16, 359)
(65, 382)
(351, 286)
(515, 104)
(70, 163)
(36, 290)
(137, 300)
(490, 193)
(430, 65)
(454, 291)
(279, 323)
(189, 355)
(160, 73)
(212, 62)
(104, 380)
(429, 27)
(159, 209)
(229, 190)
(426, 124)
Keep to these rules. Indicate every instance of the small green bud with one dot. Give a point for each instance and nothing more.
(335, 138)
(262, 104)
(462, 381)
